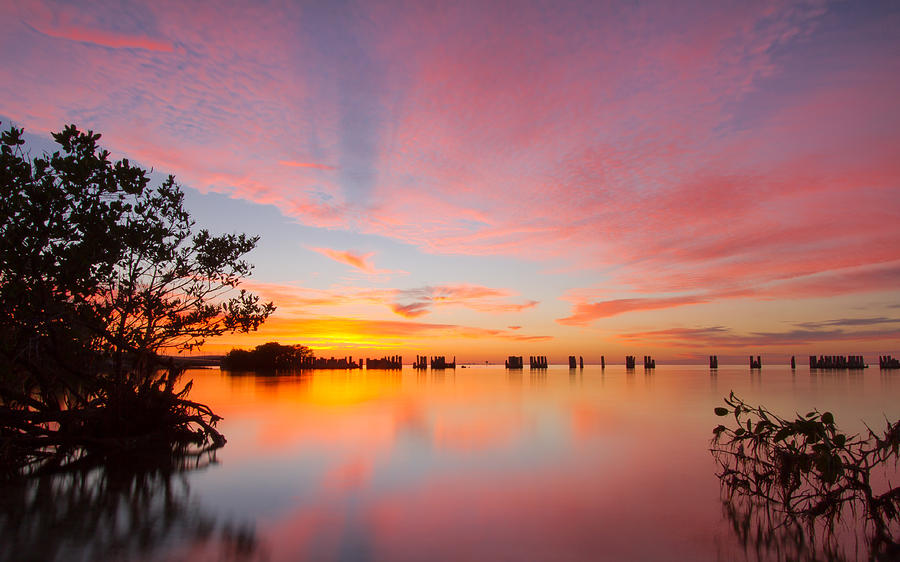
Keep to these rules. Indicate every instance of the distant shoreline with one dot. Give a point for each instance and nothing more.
(197, 360)
(216, 361)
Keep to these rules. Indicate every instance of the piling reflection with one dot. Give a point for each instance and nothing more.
(122, 510)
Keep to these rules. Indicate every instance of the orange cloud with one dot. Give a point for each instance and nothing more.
(353, 259)
(362, 262)
(412, 310)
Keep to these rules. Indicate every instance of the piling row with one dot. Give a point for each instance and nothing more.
(888, 362)
(440, 362)
(541, 362)
(537, 361)
(822, 362)
(392, 362)
(837, 362)
(329, 363)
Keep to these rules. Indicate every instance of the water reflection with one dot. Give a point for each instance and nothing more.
(122, 510)
(478, 464)
(765, 534)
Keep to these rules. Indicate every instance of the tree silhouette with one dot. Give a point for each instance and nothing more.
(271, 356)
(100, 274)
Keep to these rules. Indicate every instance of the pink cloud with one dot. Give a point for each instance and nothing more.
(719, 336)
(416, 302)
(69, 23)
(860, 279)
(293, 164)
(799, 283)
(106, 38)
(685, 208)
(586, 312)
(686, 159)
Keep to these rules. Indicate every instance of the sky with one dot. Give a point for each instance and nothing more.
(483, 179)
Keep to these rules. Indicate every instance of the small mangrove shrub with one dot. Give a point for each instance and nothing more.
(806, 472)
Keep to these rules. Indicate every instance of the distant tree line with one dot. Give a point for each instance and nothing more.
(270, 356)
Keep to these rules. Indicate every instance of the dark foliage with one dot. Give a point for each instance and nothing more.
(803, 477)
(270, 356)
(100, 274)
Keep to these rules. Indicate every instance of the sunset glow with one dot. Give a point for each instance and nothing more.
(480, 180)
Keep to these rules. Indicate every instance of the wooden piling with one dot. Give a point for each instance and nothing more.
(537, 362)
(514, 362)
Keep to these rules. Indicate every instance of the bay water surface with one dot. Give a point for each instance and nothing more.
(478, 463)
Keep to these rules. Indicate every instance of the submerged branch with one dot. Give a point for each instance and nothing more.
(805, 472)
(120, 418)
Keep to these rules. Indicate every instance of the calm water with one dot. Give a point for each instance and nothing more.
(472, 464)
